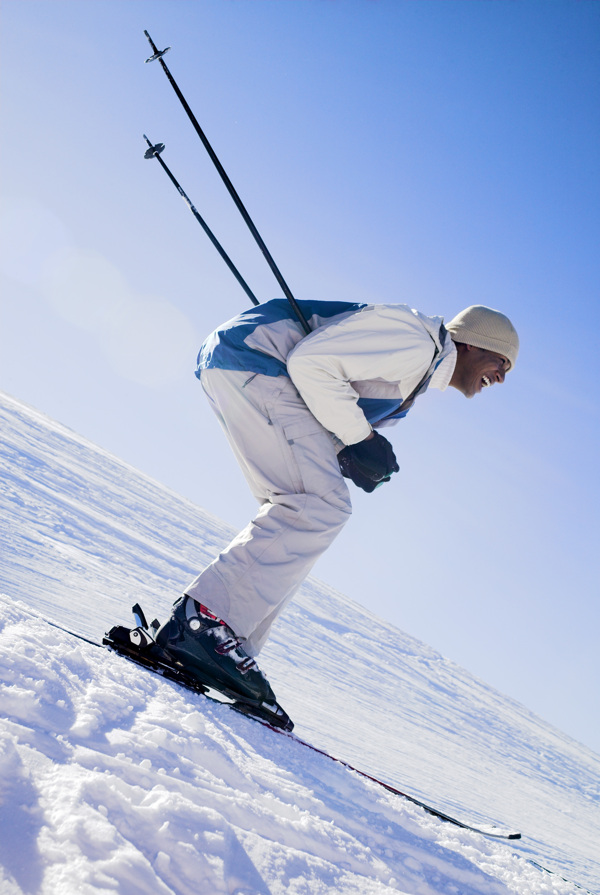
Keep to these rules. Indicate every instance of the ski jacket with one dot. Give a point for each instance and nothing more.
(355, 370)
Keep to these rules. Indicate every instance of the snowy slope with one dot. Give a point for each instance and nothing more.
(114, 780)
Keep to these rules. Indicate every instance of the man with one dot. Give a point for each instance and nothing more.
(301, 414)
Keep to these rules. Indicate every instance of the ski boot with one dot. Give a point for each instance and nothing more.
(201, 653)
(207, 648)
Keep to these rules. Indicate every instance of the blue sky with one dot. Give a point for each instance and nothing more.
(435, 153)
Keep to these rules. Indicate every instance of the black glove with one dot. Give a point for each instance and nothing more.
(368, 463)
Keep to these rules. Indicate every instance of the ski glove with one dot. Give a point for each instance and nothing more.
(368, 463)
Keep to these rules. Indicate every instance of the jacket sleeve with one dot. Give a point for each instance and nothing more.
(380, 342)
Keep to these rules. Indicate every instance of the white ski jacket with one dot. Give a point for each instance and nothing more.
(355, 368)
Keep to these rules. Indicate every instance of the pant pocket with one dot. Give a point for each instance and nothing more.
(313, 460)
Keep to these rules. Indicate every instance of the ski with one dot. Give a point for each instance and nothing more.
(118, 639)
(115, 640)
(492, 831)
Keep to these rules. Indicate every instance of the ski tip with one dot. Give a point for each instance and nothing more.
(497, 832)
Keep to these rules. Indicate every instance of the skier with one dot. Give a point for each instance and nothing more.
(302, 414)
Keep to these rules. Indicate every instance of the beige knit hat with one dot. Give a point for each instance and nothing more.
(485, 328)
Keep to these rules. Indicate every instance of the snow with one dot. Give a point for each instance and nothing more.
(115, 780)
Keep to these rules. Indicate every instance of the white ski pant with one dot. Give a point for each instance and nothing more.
(290, 463)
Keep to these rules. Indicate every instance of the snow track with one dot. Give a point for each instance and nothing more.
(121, 781)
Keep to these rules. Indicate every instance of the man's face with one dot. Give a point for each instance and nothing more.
(476, 369)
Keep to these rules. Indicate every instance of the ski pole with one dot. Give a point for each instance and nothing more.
(154, 151)
(158, 54)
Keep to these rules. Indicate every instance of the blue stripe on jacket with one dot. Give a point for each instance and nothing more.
(226, 347)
